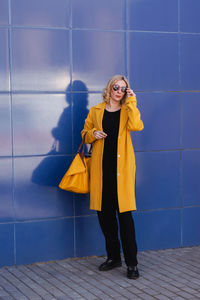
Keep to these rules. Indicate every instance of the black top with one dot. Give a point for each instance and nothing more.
(111, 128)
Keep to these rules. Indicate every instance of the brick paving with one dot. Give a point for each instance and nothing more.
(164, 274)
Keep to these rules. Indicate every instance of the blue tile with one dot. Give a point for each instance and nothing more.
(98, 14)
(157, 179)
(4, 12)
(191, 224)
(54, 13)
(94, 99)
(7, 245)
(82, 205)
(5, 125)
(190, 177)
(42, 122)
(190, 62)
(154, 61)
(189, 16)
(44, 240)
(158, 15)
(36, 189)
(160, 113)
(158, 229)
(6, 211)
(101, 56)
(45, 67)
(89, 239)
(4, 60)
(190, 120)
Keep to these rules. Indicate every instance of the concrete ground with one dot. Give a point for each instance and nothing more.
(164, 274)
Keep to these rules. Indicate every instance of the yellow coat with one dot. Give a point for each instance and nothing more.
(126, 168)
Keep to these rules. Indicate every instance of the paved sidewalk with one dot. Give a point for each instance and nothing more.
(164, 274)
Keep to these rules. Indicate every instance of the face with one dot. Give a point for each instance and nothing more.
(118, 90)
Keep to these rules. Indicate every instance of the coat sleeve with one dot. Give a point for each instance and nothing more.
(89, 129)
(134, 121)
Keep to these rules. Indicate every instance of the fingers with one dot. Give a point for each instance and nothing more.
(130, 92)
(99, 134)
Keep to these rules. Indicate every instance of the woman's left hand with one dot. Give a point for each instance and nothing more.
(130, 93)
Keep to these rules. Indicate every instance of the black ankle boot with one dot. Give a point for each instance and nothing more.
(110, 264)
(132, 272)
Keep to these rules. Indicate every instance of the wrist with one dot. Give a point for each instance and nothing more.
(130, 99)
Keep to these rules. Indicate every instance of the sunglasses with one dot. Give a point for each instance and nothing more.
(116, 87)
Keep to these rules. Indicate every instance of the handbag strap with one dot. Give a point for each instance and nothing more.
(81, 152)
(82, 145)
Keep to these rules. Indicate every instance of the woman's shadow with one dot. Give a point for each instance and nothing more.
(66, 136)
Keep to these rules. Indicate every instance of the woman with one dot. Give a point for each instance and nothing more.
(112, 182)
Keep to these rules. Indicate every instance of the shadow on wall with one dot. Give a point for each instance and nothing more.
(51, 170)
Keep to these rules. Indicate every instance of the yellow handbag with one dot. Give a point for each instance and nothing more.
(76, 179)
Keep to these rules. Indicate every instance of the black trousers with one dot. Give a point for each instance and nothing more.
(109, 226)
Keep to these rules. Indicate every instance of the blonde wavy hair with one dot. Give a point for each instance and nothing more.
(107, 91)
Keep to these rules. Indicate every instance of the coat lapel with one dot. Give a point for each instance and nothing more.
(99, 114)
(123, 119)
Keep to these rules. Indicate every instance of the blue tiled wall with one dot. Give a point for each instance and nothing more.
(56, 57)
